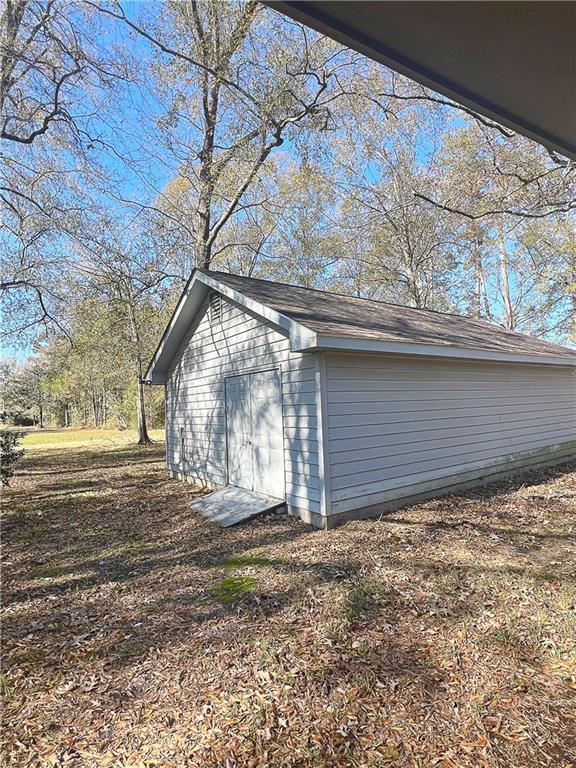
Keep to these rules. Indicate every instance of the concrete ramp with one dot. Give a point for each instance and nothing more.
(233, 505)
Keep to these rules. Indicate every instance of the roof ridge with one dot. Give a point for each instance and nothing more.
(469, 319)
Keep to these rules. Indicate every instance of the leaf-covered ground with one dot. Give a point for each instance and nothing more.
(138, 634)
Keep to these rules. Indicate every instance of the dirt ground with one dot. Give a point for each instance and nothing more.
(135, 633)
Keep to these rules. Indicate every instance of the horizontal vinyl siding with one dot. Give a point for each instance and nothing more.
(241, 343)
(395, 423)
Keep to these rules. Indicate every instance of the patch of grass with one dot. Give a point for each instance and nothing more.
(51, 572)
(317, 674)
(80, 484)
(29, 534)
(357, 602)
(549, 575)
(390, 755)
(28, 657)
(5, 691)
(335, 632)
(239, 561)
(42, 439)
(83, 656)
(269, 650)
(232, 587)
(389, 596)
(137, 547)
(517, 635)
(132, 649)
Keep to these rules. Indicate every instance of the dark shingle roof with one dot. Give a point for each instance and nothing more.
(332, 314)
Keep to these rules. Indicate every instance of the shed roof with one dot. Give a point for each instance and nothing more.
(332, 314)
(316, 320)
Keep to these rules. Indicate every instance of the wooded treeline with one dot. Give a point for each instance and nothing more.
(141, 140)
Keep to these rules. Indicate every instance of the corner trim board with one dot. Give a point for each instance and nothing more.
(322, 434)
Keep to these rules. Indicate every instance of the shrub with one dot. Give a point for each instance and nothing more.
(20, 420)
(16, 419)
(10, 453)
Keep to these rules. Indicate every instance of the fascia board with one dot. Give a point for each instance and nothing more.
(189, 303)
(343, 344)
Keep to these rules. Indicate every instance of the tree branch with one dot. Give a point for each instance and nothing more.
(563, 208)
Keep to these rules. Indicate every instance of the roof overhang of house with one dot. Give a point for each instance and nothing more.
(304, 339)
(510, 61)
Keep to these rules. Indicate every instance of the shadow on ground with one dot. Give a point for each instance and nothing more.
(382, 641)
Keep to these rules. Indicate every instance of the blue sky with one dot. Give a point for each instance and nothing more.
(149, 169)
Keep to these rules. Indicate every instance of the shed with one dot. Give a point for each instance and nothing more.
(346, 407)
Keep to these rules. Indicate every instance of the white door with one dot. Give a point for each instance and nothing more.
(254, 432)
(267, 440)
(239, 432)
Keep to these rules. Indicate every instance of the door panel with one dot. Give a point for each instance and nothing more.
(239, 432)
(268, 454)
(254, 432)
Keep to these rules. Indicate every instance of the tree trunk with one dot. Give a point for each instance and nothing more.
(94, 410)
(203, 254)
(505, 285)
(104, 411)
(210, 101)
(143, 437)
(572, 272)
(41, 416)
(483, 305)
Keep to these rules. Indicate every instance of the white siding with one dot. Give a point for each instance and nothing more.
(195, 400)
(396, 423)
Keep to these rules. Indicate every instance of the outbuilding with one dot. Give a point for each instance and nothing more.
(344, 407)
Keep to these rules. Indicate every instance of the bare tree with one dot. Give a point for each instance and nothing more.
(48, 63)
(236, 80)
(513, 177)
(405, 252)
(52, 79)
(521, 179)
(116, 268)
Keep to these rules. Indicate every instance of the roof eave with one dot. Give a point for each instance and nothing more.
(156, 372)
(349, 344)
(396, 41)
(155, 377)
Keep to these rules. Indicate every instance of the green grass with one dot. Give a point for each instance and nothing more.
(133, 648)
(233, 587)
(50, 573)
(29, 657)
(136, 547)
(358, 601)
(43, 439)
(239, 561)
(5, 690)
